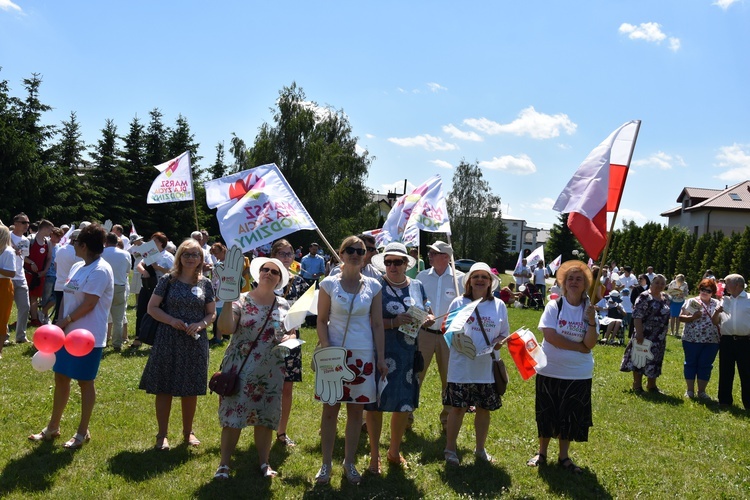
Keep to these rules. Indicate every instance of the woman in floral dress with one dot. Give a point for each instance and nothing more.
(250, 322)
(284, 251)
(401, 394)
(650, 321)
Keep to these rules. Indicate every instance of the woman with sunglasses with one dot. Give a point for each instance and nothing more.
(252, 352)
(470, 379)
(401, 394)
(350, 315)
(700, 338)
(284, 251)
(177, 366)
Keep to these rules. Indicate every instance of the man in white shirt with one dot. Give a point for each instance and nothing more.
(117, 229)
(650, 273)
(627, 279)
(441, 289)
(119, 261)
(734, 347)
(540, 278)
(21, 245)
(522, 274)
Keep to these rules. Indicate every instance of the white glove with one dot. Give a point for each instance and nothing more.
(330, 374)
(108, 225)
(463, 344)
(641, 353)
(229, 273)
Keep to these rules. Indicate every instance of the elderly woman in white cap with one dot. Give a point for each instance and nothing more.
(401, 394)
(251, 323)
(470, 379)
(563, 386)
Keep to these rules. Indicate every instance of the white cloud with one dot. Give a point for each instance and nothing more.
(426, 141)
(724, 4)
(436, 87)
(9, 5)
(529, 122)
(321, 113)
(520, 164)
(564, 146)
(543, 204)
(456, 133)
(660, 160)
(649, 32)
(370, 136)
(624, 214)
(737, 159)
(442, 164)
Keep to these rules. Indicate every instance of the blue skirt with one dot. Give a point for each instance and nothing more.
(78, 368)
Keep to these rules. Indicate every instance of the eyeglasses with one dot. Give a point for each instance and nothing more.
(433, 253)
(352, 251)
(191, 255)
(371, 249)
(388, 263)
(269, 270)
(706, 290)
(285, 255)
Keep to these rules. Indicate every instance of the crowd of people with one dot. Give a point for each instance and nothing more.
(381, 308)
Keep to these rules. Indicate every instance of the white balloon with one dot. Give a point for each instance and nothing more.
(43, 361)
(614, 277)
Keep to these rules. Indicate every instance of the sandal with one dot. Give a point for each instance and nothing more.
(324, 474)
(400, 460)
(45, 435)
(352, 475)
(638, 390)
(222, 472)
(285, 440)
(654, 390)
(567, 464)
(374, 467)
(537, 460)
(267, 471)
(161, 443)
(451, 458)
(191, 440)
(77, 441)
(483, 455)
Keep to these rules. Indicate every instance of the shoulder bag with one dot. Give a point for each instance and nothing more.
(227, 383)
(499, 373)
(346, 328)
(147, 331)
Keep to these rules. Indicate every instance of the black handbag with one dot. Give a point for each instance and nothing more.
(147, 331)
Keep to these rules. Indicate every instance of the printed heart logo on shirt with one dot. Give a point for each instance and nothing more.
(563, 322)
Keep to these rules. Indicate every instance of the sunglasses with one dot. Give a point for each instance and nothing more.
(191, 255)
(707, 290)
(352, 251)
(371, 249)
(388, 263)
(269, 270)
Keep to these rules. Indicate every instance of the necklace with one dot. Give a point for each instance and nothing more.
(397, 284)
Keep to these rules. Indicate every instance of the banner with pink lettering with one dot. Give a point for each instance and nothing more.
(256, 207)
(424, 208)
(174, 182)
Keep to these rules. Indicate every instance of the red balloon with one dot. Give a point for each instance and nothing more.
(49, 338)
(553, 296)
(79, 342)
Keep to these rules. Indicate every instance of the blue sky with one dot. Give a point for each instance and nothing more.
(526, 89)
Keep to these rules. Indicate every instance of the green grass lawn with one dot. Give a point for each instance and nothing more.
(640, 446)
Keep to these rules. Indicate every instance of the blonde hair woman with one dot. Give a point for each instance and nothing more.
(183, 304)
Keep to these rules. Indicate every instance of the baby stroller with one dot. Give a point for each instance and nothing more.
(532, 297)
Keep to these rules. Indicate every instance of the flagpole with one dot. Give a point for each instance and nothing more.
(605, 252)
(453, 266)
(334, 253)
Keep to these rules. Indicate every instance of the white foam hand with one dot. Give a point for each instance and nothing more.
(330, 374)
(463, 344)
(641, 353)
(229, 273)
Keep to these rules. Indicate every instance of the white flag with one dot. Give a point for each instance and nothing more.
(555, 264)
(174, 183)
(424, 208)
(256, 207)
(535, 256)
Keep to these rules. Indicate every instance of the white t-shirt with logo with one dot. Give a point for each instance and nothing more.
(94, 279)
(563, 363)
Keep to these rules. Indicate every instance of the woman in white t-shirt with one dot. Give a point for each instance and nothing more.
(88, 297)
(470, 380)
(563, 386)
(7, 272)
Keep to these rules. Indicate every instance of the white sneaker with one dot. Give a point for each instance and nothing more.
(704, 396)
(689, 394)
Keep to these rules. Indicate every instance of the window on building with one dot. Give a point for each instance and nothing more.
(735, 196)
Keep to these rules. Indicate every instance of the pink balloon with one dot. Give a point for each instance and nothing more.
(553, 296)
(49, 338)
(79, 342)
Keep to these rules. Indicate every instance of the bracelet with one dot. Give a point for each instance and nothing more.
(68, 318)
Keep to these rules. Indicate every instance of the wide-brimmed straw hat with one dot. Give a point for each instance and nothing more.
(258, 262)
(571, 265)
(393, 249)
(481, 266)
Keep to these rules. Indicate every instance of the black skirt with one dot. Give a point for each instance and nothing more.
(563, 408)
